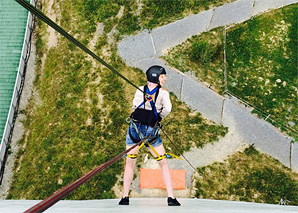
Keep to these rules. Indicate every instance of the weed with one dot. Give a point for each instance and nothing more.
(262, 65)
(61, 145)
(248, 176)
(201, 55)
(157, 13)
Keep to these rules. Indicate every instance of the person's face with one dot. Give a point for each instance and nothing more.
(162, 78)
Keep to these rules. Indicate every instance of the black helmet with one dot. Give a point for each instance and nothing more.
(154, 72)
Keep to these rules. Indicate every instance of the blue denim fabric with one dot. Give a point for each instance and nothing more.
(146, 130)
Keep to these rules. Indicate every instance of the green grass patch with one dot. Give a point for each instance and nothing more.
(202, 56)
(156, 13)
(77, 122)
(262, 65)
(248, 176)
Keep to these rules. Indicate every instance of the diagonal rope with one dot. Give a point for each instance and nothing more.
(51, 200)
(54, 198)
(176, 147)
(59, 29)
(56, 27)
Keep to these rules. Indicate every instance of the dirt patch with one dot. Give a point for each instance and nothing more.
(53, 38)
(120, 13)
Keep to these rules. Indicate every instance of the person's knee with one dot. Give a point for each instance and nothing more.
(130, 162)
(163, 162)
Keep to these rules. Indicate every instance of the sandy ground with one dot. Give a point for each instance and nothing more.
(53, 38)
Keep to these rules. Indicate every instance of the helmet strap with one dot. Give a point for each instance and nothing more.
(150, 84)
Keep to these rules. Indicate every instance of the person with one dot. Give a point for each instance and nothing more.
(148, 112)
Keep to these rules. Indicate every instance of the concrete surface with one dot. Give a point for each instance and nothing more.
(294, 156)
(234, 12)
(170, 35)
(256, 131)
(132, 48)
(261, 6)
(202, 99)
(195, 94)
(148, 205)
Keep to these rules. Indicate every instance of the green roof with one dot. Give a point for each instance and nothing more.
(13, 20)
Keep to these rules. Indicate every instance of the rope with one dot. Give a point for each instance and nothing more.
(51, 200)
(175, 146)
(56, 27)
(54, 198)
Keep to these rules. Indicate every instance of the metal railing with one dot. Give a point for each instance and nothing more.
(19, 83)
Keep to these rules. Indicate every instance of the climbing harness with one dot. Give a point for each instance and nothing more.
(146, 117)
(147, 142)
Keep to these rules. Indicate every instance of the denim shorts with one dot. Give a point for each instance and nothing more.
(146, 131)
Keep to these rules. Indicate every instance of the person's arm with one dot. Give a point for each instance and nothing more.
(167, 105)
(138, 99)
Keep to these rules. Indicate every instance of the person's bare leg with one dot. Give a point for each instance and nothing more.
(165, 170)
(128, 172)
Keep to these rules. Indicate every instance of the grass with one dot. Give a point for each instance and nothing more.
(248, 176)
(156, 13)
(77, 121)
(201, 56)
(261, 64)
(144, 15)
